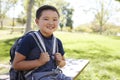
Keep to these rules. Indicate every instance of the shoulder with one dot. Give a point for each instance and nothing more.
(59, 41)
(60, 46)
(27, 38)
(27, 43)
(28, 34)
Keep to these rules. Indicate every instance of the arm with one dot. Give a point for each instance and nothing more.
(20, 63)
(60, 60)
(23, 50)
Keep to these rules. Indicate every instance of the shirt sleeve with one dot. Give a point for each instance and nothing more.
(25, 45)
(60, 47)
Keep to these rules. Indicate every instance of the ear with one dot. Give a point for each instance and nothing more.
(37, 21)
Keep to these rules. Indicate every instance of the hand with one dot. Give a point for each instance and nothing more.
(44, 58)
(58, 57)
(60, 61)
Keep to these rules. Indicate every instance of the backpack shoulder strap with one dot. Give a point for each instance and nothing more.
(55, 45)
(38, 38)
(37, 42)
(54, 40)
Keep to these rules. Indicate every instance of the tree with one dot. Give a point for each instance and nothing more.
(13, 2)
(29, 11)
(61, 26)
(5, 5)
(103, 12)
(69, 22)
(28, 6)
(118, 0)
(1, 14)
(102, 17)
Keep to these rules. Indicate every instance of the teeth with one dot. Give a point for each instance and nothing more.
(50, 27)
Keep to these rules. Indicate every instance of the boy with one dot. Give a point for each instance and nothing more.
(28, 56)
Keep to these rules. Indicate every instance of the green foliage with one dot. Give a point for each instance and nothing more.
(69, 13)
(108, 29)
(83, 29)
(4, 9)
(68, 29)
(22, 21)
(118, 0)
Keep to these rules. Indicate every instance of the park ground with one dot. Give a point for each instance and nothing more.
(102, 51)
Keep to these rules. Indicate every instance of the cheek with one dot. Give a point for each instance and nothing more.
(57, 24)
(41, 24)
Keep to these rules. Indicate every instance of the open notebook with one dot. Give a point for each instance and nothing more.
(74, 67)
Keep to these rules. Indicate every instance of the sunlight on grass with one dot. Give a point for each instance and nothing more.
(102, 51)
(5, 34)
(98, 49)
(3, 70)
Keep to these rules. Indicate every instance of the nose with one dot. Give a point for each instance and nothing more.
(51, 22)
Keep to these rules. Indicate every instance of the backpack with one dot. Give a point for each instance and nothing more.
(19, 75)
(14, 74)
(15, 45)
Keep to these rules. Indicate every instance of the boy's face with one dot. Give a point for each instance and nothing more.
(48, 22)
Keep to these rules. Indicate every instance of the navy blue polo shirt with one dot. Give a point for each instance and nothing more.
(31, 51)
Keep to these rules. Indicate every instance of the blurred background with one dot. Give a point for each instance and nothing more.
(89, 29)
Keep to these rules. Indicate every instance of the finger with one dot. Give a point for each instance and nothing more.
(48, 56)
(58, 54)
(46, 52)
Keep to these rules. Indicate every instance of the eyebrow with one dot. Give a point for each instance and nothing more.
(48, 17)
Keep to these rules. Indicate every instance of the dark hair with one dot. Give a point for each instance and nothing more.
(45, 7)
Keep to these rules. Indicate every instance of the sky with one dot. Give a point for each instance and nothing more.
(84, 11)
(79, 16)
(15, 11)
(83, 15)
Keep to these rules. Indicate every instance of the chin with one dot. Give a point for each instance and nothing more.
(49, 32)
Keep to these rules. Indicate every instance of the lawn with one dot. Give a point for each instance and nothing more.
(102, 51)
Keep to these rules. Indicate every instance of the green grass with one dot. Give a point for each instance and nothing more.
(102, 51)
(5, 48)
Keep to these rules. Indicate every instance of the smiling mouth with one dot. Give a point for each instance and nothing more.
(49, 27)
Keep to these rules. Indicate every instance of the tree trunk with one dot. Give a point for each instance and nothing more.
(101, 30)
(1, 24)
(29, 12)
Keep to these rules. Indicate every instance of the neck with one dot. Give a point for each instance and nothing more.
(45, 34)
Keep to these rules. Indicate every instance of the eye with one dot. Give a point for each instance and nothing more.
(55, 19)
(45, 19)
